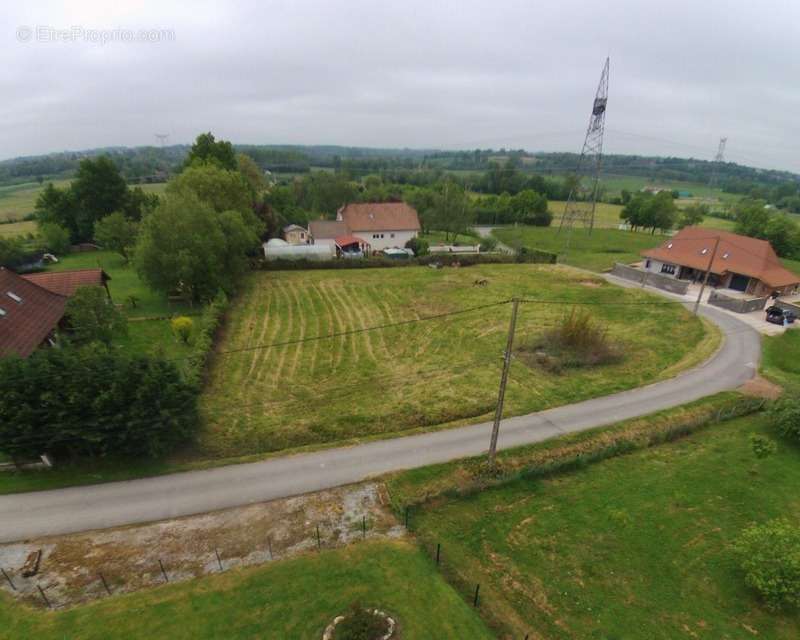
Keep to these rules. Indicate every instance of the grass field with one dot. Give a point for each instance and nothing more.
(14, 229)
(18, 200)
(606, 216)
(781, 358)
(412, 376)
(597, 251)
(293, 598)
(633, 547)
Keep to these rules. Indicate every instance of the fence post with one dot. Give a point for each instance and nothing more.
(319, 541)
(364, 527)
(219, 562)
(105, 584)
(163, 571)
(438, 552)
(44, 597)
(406, 517)
(5, 575)
(477, 591)
(269, 544)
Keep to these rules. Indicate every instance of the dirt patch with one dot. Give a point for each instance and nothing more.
(591, 283)
(81, 567)
(761, 388)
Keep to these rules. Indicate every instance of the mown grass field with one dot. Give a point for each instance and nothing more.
(18, 200)
(606, 216)
(597, 251)
(14, 229)
(417, 375)
(293, 598)
(781, 359)
(633, 547)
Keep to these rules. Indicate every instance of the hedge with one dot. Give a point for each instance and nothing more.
(210, 319)
(531, 256)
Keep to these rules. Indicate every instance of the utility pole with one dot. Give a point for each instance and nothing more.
(705, 278)
(498, 412)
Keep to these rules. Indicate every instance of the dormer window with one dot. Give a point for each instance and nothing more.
(14, 297)
(704, 252)
(725, 255)
(669, 246)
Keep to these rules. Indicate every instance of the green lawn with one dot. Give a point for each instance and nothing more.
(781, 359)
(633, 547)
(417, 375)
(293, 598)
(606, 216)
(597, 251)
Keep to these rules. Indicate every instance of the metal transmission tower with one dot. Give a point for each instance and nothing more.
(162, 138)
(581, 202)
(718, 160)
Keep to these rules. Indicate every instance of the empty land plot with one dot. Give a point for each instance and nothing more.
(18, 200)
(416, 374)
(635, 547)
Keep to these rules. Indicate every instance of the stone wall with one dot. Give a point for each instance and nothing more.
(738, 305)
(667, 283)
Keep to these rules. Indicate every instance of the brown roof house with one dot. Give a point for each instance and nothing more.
(742, 264)
(32, 306)
(384, 225)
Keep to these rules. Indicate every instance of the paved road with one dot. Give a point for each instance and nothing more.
(82, 508)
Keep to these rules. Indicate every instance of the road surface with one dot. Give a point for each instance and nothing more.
(30, 515)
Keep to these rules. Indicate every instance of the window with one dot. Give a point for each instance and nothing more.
(704, 252)
(647, 264)
(302, 236)
(14, 297)
(669, 246)
(725, 255)
(668, 269)
(391, 235)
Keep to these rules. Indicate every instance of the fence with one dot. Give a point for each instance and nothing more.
(652, 279)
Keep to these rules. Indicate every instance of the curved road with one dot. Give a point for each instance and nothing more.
(120, 503)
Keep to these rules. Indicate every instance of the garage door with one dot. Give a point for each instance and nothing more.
(739, 282)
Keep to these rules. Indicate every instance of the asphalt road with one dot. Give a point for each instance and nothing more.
(30, 515)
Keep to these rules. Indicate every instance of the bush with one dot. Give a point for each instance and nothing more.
(418, 246)
(576, 341)
(54, 238)
(91, 401)
(361, 623)
(92, 316)
(762, 446)
(182, 327)
(538, 218)
(770, 557)
(489, 243)
(785, 416)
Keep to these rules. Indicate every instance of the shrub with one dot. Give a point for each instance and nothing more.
(762, 446)
(92, 316)
(54, 238)
(785, 416)
(182, 327)
(770, 557)
(538, 218)
(361, 623)
(418, 246)
(577, 340)
(489, 243)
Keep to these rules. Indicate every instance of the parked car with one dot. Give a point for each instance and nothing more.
(776, 315)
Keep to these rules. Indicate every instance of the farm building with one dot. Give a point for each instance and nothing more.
(326, 231)
(32, 306)
(295, 234)
(741, 263)
(383, 225)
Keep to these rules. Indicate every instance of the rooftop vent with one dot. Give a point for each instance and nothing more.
(725, 255)
(669, 246)
(3, 312)
(14, 297)
(704, 251)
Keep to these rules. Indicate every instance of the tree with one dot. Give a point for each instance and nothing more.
(11, 251)
(252, 174)
(783, 234)
(207, 150)
(54, 238)
(453, 211)
(104, 404)
(784, 415)
(769, 554)
(424, 201)
(692, 215)
(184, 245)
(419, 246)
(139, 203)
(57, 206)
(117, 233)
(92, 317)
(99, 189)
(531, 208)
(751, 218)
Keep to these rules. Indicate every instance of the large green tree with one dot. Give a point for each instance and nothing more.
(117, 233)
(208, 150)
(91, 317)
(185, 245)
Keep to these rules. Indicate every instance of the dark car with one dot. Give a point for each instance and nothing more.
(776, 315)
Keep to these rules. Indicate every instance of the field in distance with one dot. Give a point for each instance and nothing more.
(416, 375)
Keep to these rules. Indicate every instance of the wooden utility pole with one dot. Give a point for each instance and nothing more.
(498, 412)
(705, 278)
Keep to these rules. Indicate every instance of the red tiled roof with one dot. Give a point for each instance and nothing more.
(379, 216)
(66, 282)
(26, 323)
(343, 241)
(327, 229)
(692, 247)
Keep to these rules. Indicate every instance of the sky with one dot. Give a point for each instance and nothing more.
(450, 75)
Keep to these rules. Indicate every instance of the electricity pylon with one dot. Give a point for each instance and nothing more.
(718, 160)
(583, 194)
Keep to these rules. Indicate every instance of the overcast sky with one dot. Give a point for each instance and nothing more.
(415, 74)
